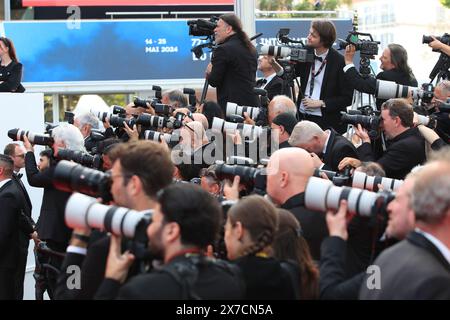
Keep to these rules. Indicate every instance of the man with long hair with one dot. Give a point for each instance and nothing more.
(233, 64)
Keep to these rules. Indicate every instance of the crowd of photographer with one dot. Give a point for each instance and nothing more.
(179, 199)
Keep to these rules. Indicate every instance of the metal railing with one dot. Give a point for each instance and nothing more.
(161, 13)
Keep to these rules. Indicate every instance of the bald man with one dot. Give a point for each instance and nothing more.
(281, 104)
(286, 187)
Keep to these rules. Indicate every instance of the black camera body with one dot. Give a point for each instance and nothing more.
(253, 178)
(370, 122)
(367, 47)
(80, 157)
(150, 121)
(118, 121)
(120, 111)
(202, 27)
(341, 178)
(444, 39)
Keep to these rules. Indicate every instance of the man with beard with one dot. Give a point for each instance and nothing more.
(140, 169)
(178, 235)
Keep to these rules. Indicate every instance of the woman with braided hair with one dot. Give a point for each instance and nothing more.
(249, 232)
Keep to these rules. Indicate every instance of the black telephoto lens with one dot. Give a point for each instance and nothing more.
(70, 176)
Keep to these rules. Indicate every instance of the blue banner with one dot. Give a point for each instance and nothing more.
(123, 50)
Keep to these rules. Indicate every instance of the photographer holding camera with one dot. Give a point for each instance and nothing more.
(85, 123)
(194, 151)
(439, 46)
(334, 283)
(328, 146)
(140, 169)
(50, 225)
(394, 63)
(288, 171)
(233, 64)
(175, 98)
(324, 93)
(441, 95)
(406, 146)
(179, 234)
(278, 105)
(418, 267)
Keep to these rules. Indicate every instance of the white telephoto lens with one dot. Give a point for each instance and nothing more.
(316, 192)
(231, 108)
(366, 203)
(76, 209)
(217, 125)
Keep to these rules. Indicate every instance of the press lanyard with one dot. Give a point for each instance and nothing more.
(314, 75)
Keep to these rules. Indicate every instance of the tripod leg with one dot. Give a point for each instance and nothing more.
(204, 92)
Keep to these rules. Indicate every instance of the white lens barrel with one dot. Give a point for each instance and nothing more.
(76, 209)
(316, 192)
(231, 109)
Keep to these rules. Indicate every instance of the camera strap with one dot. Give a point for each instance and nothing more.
(314, 75)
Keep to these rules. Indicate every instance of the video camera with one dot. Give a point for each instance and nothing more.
(442, 67)
(202, 27)
(368, 47)
(300, 53)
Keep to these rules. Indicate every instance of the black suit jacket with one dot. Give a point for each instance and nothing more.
(265, 279)
(26, 222)
(274, 87)
(412, 269)
(312, 223)
(11, 75)
(337, 149)
(403, 153)
(51, 224)
(369, 84)
(233, 73)
(336, 94)
(334, 283)
(10, 211)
